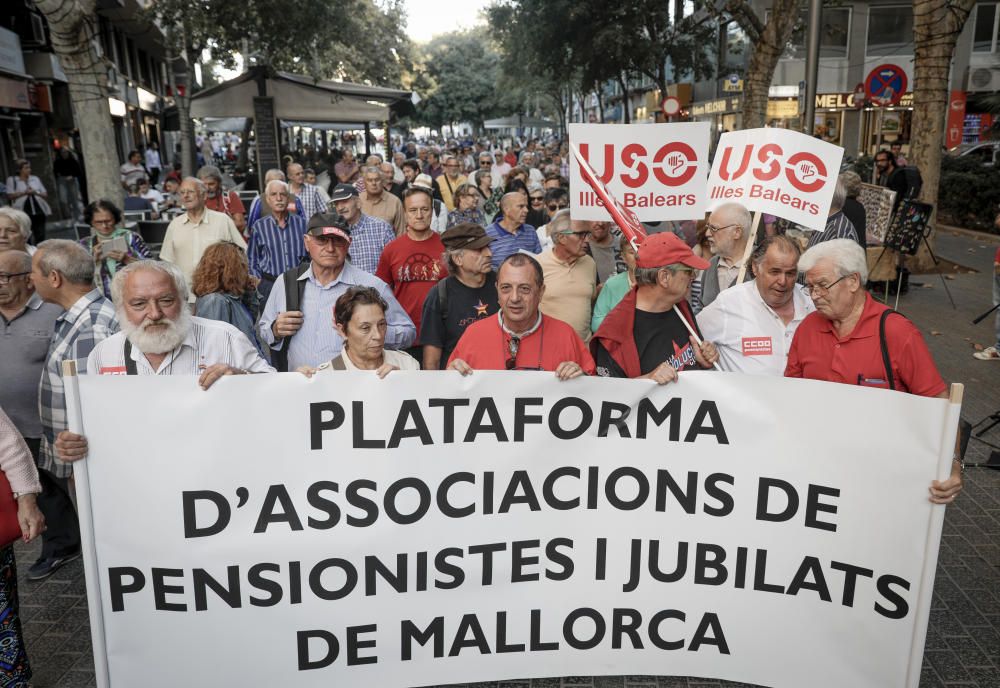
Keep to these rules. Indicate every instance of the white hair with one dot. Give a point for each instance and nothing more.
(156, 342)
(68, 258)
(737, 213)
(275, 182)
(846, 254)
(839, 196)
(20, 218)
(169, 269)
(559, 223)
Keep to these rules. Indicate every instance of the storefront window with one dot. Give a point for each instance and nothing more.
(984, 35)
(890, 30)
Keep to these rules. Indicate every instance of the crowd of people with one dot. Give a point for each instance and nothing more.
(460, 257)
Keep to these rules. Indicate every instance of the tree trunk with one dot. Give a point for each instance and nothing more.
(763, 60)
(72, 26)
(600, 101)
(936, 27)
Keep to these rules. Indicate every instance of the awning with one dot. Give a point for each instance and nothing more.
(520, 122)
(301, 98)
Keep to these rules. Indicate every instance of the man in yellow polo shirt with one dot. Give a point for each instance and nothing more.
(570, 274)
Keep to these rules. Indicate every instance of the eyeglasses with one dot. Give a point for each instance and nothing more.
(823, 288)
(554, 207)
(712, 229)
(102, 222)
(6, 277)
(583, 234)
(513, 346)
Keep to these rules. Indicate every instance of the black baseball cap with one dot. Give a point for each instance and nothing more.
(329, 224)
(342, 192)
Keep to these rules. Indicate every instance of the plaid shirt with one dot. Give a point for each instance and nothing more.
(368, 237)
(91, 319)
(311, 201)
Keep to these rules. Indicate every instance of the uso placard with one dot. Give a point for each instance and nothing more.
(655, 170)
(776, 171)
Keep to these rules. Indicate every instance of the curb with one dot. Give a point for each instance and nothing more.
(971, 233)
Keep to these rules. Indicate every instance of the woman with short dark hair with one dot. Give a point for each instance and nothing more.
(359, 316)
(111, 244)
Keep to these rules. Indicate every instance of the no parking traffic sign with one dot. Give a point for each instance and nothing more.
(886, 84)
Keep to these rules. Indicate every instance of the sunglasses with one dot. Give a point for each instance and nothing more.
(537, 199)
(555, 207)
(513, 346)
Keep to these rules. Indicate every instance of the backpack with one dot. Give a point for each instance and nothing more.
(294, 291)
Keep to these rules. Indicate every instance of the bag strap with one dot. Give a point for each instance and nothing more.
(130, 367)
(885, 348)
(294, 291)
(442, 297)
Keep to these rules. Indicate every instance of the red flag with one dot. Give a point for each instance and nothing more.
(623, 217)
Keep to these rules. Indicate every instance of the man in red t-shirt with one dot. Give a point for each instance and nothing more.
(221, 201)
(411, 264)
(519, 337)
(840, 341)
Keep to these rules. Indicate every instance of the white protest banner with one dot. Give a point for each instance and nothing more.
(657, 171)
(776, 171)
(429, 529)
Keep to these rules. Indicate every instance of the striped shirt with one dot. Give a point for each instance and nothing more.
(317, 341)
(837, 227)
(273, 248)
(257, 211)
(88, 322)
(505, 243)
(369, 235)
(207, 343)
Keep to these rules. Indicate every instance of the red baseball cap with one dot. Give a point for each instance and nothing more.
(666, 248)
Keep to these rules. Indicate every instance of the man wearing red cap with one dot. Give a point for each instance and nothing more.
(647, 335)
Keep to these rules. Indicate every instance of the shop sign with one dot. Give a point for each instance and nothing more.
(14, 94)
(11, 59)
(956, 119)
(715, 107)
(782, 109)
(846, 101)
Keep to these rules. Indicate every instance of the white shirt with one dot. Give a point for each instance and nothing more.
(152, 158)
(207, 343)
(751, 337)
(499, 172)
(400, 359)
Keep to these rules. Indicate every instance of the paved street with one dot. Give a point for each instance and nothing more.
(963, 642)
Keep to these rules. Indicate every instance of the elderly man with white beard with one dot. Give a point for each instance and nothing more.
(160, 337)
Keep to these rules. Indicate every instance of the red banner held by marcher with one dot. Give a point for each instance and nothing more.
(623, 217)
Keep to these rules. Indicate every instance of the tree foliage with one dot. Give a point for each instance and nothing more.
(581, 44)
(768, 40)
(457, 80)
